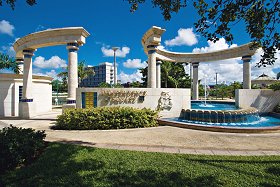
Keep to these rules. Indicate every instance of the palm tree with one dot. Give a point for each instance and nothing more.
(83, 72)
(6, 62)
(172, 75)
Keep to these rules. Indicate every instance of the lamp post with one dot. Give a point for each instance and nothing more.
(115, 73)
(216, 85)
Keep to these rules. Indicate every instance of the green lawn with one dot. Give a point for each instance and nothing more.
(70, 165)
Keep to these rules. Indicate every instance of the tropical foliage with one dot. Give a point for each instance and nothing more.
(83, 72)
(218, 18)
(172, 75)
(7, 62)
(11, 3)
(104, 118)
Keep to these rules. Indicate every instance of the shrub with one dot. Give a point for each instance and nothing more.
(104, 118)
(275, 86)
(19, 146)
(277, 109)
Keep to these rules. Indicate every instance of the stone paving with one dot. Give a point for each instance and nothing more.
(157, 139)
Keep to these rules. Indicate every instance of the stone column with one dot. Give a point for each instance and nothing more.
(195, 80)
(246, 72)
(26, 105)
(158, 74)
(20, 62)
(151, 66)
(72, 72)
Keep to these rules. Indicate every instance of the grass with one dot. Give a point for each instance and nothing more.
(71, 165)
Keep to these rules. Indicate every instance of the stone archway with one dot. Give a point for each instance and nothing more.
(151, 40)
(25, 47)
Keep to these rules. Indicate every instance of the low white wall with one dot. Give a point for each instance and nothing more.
(172, 100)
(9, 94)
(263, 99)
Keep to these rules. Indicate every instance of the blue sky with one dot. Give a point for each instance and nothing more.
(110, 23)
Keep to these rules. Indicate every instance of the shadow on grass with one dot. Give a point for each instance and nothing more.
(68, 165)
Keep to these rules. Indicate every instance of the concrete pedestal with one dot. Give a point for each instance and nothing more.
(27, 110)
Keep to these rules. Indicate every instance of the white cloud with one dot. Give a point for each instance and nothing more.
(51, 73)
(136, 76)
(231, 70)
(53, 62)
(6, 28)
(218, 45)
(9, 50)
(134, 63)
(185, 37)
(121, 52)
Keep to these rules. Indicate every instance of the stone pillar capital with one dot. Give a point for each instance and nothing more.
(246, 58)
(195, 64)
(72, 46)
(19, 60)
(151, 48)
(28, 53)
(159, 62)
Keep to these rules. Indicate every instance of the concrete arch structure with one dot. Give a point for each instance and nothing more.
(151, 40)
(72, 37)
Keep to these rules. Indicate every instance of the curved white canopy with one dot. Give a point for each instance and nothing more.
(51, 37)
(153, 38)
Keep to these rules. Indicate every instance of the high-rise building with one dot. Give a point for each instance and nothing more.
(104, 72)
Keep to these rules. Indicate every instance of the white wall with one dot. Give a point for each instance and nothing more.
(263, 99)
(9, 95)
(42, 94)
(7, 101)
(180, 99)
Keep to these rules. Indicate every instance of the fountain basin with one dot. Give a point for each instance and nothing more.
(268, 123)
(219, 116)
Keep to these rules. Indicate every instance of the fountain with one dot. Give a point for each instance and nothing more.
(206, 93)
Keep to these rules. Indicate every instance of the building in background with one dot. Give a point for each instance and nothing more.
(263, 81)
(104, 72)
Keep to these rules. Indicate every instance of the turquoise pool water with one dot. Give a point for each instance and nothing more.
(200, 105)
(252, 122)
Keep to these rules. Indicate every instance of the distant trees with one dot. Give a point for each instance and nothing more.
(221, 90)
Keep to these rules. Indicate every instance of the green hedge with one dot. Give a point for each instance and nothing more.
(275, 86)
(19, 146)
(104, 118)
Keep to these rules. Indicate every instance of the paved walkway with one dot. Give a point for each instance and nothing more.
(157, 139)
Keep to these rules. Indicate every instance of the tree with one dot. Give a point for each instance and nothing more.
(231, 88)
(218, 18)
(6, 62)
(222, 90)
(83, 72)
(172, 75)
(278, 76)
(104, 85)
(59, 86)
(12, 3)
